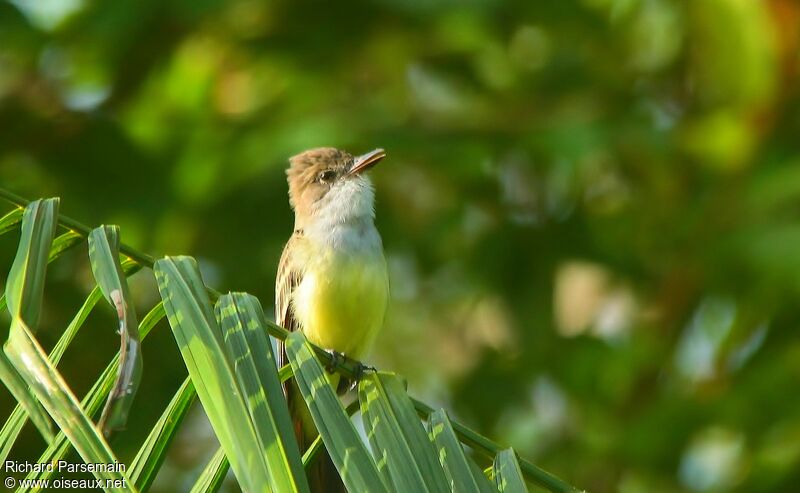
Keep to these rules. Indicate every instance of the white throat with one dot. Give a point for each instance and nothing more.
(344, 218)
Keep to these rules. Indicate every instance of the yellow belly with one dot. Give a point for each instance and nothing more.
(341, 301)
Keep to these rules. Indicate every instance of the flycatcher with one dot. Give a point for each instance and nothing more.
(332, 281)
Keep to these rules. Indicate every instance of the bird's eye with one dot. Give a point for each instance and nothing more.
(327, 176)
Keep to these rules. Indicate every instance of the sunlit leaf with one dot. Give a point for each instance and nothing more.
(460, 469)
(397, 435)
(347, 451)
(507, 474)
(313, 450)
(204, 351)
(19, 416)
(242, 336)
(242, 321)
(11, 220)
(107, 270)
(24, 293)
(60, 446)
(482, 444)
(25, 284)
(52, 391)
(63, 242)
(94, 399)
(144, 468)
(28, 402)
(213, 475)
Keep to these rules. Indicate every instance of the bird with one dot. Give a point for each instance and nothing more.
(332, 282)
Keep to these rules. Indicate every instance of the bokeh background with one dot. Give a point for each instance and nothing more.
(590, 208)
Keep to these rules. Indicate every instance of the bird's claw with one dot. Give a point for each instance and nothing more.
(361, 369)
(336, 358)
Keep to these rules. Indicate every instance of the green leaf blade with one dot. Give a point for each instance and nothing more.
(145, 466)
(110, 277)
(27, 403)
(11, 220)
(63, 243)
(19, 415)
(25, 284)
(507, 474)
(213, 475)
(60, 445)
(398, 435)
(242, 321)
(93, 400)
(459, 468)
(52, 391)
(23, 297)
(202, 347)
(347, 451)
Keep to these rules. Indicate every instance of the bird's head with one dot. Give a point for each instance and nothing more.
(331, 185)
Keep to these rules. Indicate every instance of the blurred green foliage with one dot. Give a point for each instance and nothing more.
(590, 207)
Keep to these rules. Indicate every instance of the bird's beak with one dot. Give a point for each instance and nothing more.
(366, 161)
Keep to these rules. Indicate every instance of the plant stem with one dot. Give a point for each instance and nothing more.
(81, 229)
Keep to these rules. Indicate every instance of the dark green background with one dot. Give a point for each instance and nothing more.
(590, 208)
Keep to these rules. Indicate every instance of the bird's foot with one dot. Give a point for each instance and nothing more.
(361, 369)
(336, 358)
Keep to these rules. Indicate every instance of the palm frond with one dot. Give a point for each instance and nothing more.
(212, 366)
(211, 478)
(397, 435)
(463, 473)
(107, 270)
(232, 370)
(507, 474)
(25, 290)
(94, 399)
(348, 453)
(148, 460)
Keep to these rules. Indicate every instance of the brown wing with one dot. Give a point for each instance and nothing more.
(287, 280)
